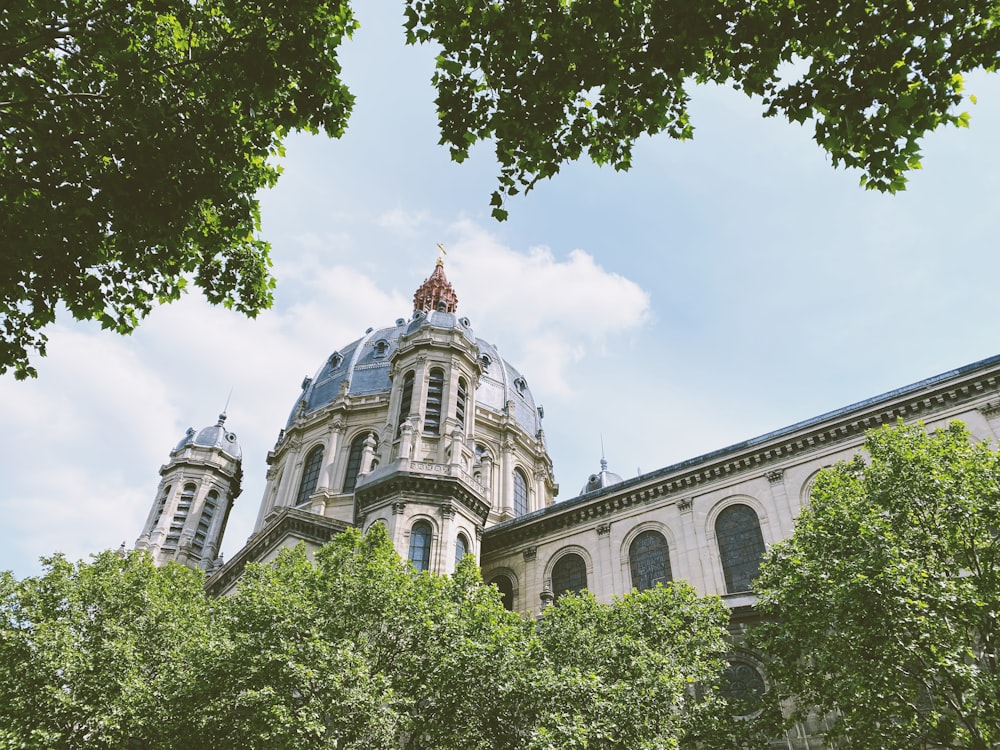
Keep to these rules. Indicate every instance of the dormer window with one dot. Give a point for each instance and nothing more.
(335, 360)
(381, 348)
(485, 361)
(520, 385)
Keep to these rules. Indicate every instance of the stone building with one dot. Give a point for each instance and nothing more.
(424, 427)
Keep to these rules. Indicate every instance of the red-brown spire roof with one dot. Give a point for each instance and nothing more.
(436, 290)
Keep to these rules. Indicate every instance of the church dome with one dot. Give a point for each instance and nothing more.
(362, 367)
(215, 436)
(601, 480)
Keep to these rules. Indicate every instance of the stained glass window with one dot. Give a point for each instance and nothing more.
(741, 546)
(649, 559)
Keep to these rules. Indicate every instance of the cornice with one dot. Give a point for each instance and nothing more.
(438, 488)
(925, 399)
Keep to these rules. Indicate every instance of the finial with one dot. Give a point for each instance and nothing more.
(225, 409)
(436, 294)
(604, 461)
(440, 260)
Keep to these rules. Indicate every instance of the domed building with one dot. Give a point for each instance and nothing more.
(424, 427)
(420, 425)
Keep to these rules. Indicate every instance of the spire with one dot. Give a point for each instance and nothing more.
(436, 293)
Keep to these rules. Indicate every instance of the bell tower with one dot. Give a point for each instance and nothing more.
(199, 484)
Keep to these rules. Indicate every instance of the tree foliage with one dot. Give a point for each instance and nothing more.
(354, 650)
(885, 599)
(550, 80)
(135, 135)
(134, 138)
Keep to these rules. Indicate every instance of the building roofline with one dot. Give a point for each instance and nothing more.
(833, 426)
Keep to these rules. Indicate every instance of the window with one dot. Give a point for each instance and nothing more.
(520, 493)
(420, 545)
(743, 686)
(406, 400)
(180, 516)
(461, 548)
(741, 546)
(435, 391)
(649, 559)
(354, 460)
(569, 575)
(310, 475)
(506, 588)
(160, 505)
(463, 391)
(205, 521)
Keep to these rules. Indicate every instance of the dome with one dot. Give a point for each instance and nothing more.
(362, 367)
(599, 481)
(215, 436)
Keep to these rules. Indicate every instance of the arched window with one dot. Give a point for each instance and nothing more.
(354, 460)
(310, 474)
(435, 392)
(741, 546)
(161, 503)
(180, 515)
(520, 493)
(461, 548)
(569, 575)
(205, 521)
(506, 588)
(649, 559)
(463, 394)
(406, 400)
(420, 545)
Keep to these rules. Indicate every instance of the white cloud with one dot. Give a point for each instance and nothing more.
(551, 312)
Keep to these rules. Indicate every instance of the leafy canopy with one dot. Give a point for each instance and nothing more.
(354, 650)
(134, 138)
(135, 135)
(884, 602)
(550, 80)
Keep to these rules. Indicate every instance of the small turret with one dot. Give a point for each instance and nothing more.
(199, 484)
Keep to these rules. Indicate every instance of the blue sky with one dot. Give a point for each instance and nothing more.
(723, 288)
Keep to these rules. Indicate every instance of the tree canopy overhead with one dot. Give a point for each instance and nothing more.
(135, 136)
(885, 600)
(551, 80)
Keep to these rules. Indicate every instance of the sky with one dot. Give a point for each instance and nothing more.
(723, 288)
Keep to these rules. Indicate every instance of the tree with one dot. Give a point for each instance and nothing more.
(136, 134)
(356, 650)
(550, 80)
(883, 604)
(89, 651)
(134, 138)
(360, 651)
